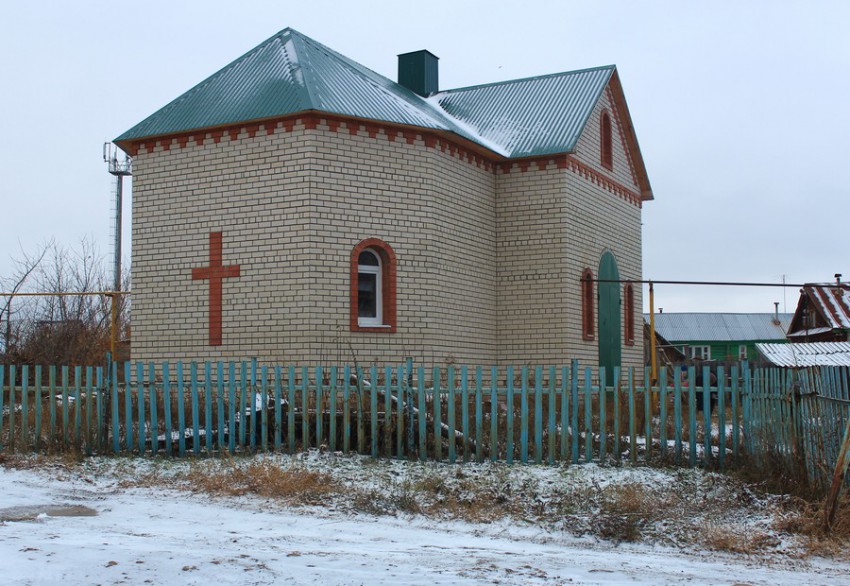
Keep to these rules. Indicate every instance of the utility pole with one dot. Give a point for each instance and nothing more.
(119, 168)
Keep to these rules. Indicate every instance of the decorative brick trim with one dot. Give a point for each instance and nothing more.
(215, 273)
(596, 177)
(629, 314)
(606, 140)
(622, 134)
(388, 285)
(430, 139)
(588, 317)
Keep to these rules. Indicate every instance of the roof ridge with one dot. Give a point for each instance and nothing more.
(523, 79)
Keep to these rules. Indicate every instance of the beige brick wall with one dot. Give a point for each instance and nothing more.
(551, 224)
(292, 205)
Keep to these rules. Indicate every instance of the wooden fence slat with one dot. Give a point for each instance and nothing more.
(479, 415)
(373, 394)
(231, 406)
(65, 386)
(735, 398)
(538, 415)
(565, 413)
(305, 408)
(89, 395)
(196, 416)
(334, 384)
(494, 414)
(346, 411)
(102, 390)
(208, 408)
(647, 411)
(616, 384)
(692, 416)
(603, 397)
(509, 433)
(721, 416)
(25, 411)
(13, 380)
(574, 431)
(264, 406)
(677, 414)
(388, 411)
(116, 438)
(166, 402)
(251, 414)
(290, 410)
(52, 407)
(219, 407)
(588, 415)
(319, 401)
(142, 413)
(523, 422)
(662, 412)
(552, 430)
(438, 429)
(2, 393)
(423, 410)
(153, 407)
(181, 410)
(450, 413)
(632, 417)
(464, 410)
(400, 405)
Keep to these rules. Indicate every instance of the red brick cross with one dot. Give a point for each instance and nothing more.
(216, 273)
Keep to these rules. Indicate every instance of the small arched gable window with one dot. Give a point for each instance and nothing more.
(606, 141)
(373, 287)
(629, 314)
(587, 315)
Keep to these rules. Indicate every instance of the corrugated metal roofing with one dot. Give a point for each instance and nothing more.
(529, 117)
(291, 73)
(833, 302)
(721, 327)
(811, 354)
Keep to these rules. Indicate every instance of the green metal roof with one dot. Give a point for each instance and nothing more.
(530, 117)
(291, 73)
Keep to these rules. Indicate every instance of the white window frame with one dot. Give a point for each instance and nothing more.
(378, 320)
(705, 352)
(742, 352)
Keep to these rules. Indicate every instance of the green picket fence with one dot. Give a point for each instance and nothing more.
(565, 414)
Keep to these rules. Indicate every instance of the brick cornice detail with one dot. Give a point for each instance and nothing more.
(431, 140)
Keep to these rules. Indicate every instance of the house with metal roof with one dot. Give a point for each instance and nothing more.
(805, 354)
(297, 206)
(822, 314)
(721, 336)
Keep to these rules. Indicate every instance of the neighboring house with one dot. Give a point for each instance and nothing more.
(799, 355)
(298, 207)
(721, 336)
(823, 314)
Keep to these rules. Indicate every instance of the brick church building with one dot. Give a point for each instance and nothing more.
(299, 208)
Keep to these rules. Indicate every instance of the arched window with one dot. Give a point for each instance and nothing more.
(629, 314)
(606, 141)
(373, 287)
(587, 314)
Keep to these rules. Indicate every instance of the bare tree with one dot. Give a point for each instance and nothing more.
(24, 267)
(68, 326)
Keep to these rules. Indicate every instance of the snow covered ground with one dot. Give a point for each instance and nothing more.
(148, 528)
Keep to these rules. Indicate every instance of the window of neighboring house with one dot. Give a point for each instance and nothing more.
(742, 352)
(629, 314)
(587, 315)
(606, 146)
(373, 287)
(701, 352)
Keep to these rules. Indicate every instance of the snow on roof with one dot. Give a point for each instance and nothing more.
(810, 354)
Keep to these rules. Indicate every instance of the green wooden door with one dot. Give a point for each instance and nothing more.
(609, 313)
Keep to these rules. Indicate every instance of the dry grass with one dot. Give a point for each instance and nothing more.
(294, 484)
(733, 540)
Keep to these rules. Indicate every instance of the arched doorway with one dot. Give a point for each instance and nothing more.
(609, 313)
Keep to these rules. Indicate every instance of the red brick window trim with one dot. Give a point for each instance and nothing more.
(385, 269)
(587, 314)
(606, 141)
(629, 314)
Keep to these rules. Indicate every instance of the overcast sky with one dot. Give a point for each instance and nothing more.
(741, 111)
